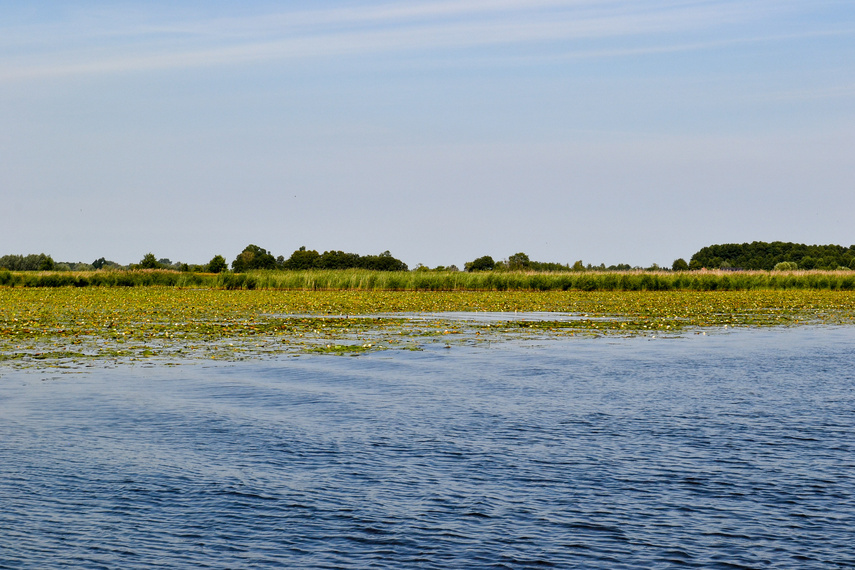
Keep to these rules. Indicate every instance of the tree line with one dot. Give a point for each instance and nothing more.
(34, 262)
(774, 255)
(251, 258)
(521, 262)
(255, 257)
(751, 256)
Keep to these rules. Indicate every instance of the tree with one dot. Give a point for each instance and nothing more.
(253, 257)
(762, 255)
(519, 262)
(484, 263)
(680, 265)
(382, 262)
(303, 259)
(828, 262)
(339, 260)
(32, 262)
(217, 264)
(46, 263)
(149, 261)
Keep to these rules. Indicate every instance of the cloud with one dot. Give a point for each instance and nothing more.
(114, 41)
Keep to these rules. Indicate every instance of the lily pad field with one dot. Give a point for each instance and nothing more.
(74, 327)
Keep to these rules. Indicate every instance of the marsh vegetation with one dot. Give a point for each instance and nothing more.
(367, 280)
(69, 326)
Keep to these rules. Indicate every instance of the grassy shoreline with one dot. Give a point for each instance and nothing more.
(362, 280)
(67, 327)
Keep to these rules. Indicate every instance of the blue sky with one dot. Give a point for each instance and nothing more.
(608, 131)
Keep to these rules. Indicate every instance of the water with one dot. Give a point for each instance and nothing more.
(723, 451)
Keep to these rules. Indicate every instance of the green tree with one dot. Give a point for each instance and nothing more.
(762, 255)
(484, 263)
(217, 264)
(149, 261)
(32, 262)
(46, 263)
(382, 262)
(253, 257)
(828, 262)
(339, 260)
(680, 265)
(519, 262)
(303, 259)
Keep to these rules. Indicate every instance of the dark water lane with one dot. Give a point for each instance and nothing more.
(728, 451)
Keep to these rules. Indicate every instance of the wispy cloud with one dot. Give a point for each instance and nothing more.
(115, 41)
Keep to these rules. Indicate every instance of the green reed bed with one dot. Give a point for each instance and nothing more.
(69, 327)
(446, 281)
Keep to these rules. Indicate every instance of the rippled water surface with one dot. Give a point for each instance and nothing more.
(722, 451)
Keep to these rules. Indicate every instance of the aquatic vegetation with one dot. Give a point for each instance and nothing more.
(67, 326)
(351, 349)
(365, 280)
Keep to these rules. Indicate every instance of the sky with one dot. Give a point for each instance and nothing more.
(608, 131)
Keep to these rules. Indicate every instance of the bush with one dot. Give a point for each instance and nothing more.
(786, 266)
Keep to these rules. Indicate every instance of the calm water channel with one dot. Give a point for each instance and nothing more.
(730, 450)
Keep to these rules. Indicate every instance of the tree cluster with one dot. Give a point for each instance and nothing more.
(254, 257)
(251, 258)
(753, 256)
(521, 262)
(32, 262)
(766, 256)
(311, 259)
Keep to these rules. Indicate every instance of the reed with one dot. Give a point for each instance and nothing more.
(534, 281)
(365, 280)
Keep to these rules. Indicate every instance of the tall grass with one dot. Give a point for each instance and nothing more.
(358, 279)
(142, 278)
(565, 281)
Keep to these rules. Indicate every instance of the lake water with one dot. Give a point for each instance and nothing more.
(726, 450)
